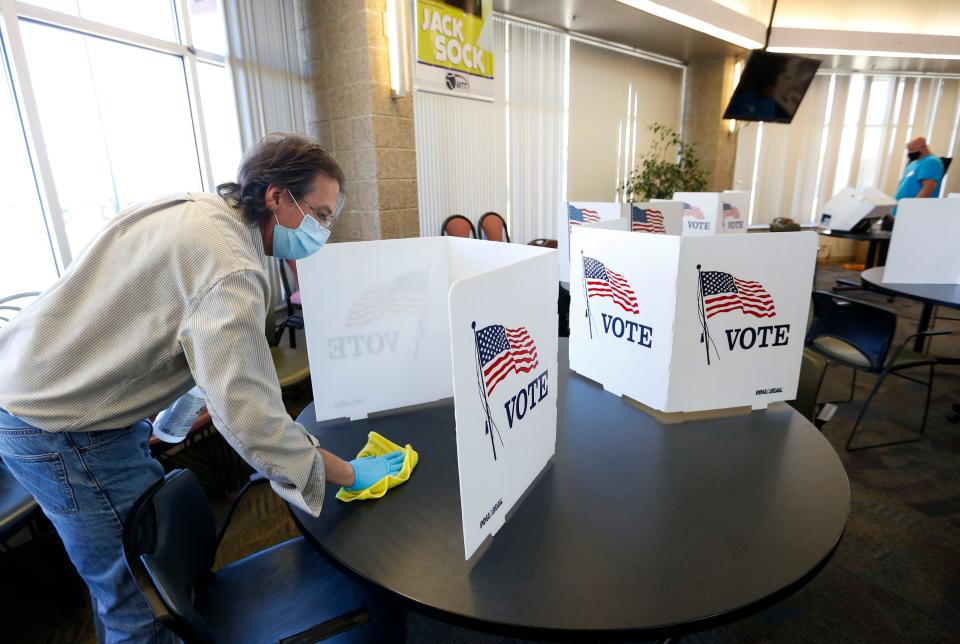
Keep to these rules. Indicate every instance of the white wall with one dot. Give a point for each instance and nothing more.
(613, 98)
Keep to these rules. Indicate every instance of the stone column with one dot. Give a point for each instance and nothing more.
(350, 109)
(709, 85)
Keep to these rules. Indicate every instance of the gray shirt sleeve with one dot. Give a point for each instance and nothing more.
(224, 344)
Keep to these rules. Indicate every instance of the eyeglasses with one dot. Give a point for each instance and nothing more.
(328, 221)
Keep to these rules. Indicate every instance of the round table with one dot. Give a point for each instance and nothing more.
(635, 528)
(929, 295)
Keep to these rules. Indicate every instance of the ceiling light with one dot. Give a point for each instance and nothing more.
(711, 18)
(835, 51)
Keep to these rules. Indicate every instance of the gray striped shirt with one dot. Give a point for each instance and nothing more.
(173, 292)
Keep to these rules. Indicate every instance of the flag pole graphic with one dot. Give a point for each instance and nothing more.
(706, 338)
(703, 314)
(490, 426)
(586, 298)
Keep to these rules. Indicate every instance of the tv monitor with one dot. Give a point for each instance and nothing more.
(771, 87)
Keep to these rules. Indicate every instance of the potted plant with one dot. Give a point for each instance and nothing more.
(669, 166)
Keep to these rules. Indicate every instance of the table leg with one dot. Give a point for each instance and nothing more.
(871, 253)
(924, 324)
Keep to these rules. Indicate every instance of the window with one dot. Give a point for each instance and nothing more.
(132, 101)
(27, 262)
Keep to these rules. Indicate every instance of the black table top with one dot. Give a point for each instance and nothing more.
(870, 235)
(635, 526)
(939, 294)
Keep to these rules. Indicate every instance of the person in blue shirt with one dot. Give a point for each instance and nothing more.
(922, 176)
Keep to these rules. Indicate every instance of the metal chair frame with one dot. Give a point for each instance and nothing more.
(480, 231)
(443, 226)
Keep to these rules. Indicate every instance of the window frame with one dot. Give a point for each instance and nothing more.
(12, 12)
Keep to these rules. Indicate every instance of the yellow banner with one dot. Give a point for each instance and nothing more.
(451, 52)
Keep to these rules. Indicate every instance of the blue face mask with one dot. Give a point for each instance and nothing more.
(299, 242)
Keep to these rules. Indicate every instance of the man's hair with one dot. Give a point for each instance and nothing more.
(283, 159)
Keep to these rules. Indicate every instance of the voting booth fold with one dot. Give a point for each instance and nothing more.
(391, 324)
(915, 255)
(684, 324)
(848, 208)
(578, 213)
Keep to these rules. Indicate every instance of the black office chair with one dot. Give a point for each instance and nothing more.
(13, 304)
(492, 227)
(287, 593)
(860, 335)
(294, 320)
(458, 226)
(18, 508)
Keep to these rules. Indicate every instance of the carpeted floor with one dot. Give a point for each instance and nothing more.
(894, 578)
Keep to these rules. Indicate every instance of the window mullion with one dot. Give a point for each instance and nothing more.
(30, 119)
(93, 28)
(193, 92)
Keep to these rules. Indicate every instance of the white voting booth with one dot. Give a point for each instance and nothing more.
(655, 218)
(579, 213)
(923, 247)
(735, 210)
(685, 324)
(396, 323)
(848, 207)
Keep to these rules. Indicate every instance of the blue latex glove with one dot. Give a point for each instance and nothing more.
(370, 469)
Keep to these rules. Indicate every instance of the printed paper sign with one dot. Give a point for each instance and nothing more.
(701, 212)
(454, 48)
(661, 217)
(914, 258)
(691, 323)
(395, 323)
(580, 213)
(504, 344)
(735, 205)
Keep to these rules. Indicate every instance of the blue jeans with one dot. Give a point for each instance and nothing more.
(86, 483)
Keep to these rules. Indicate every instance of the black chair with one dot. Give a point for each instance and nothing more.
(294, 320)
(13, 304)
(543, 243)
(860, 335)
(492, 227)
(287, 593)
(458, 226)
(18, 508)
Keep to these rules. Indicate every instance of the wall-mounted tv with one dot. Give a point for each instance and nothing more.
(771, 87)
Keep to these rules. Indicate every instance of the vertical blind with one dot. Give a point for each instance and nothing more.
(263, 41)
(850, 130)
(505, 156)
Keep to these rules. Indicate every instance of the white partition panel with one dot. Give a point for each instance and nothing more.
(691, 323)
(923, 247)
(396, 323)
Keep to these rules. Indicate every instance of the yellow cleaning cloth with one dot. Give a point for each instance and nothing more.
(377, 445)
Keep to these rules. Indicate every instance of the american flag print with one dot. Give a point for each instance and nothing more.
(646, 220)
(504, 351)
(722, 293)
(730, 211)
(692, 211)
(404, 295)
(580, 216)
(603, 282)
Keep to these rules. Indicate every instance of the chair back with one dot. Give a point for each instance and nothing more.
(13, 304)
(493, 227)
(543, 243)
(169, 542)
(868, 328)
(458, 226)
(812, 369)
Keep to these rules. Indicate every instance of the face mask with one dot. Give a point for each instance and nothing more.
(299, 242)
(913, 156)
